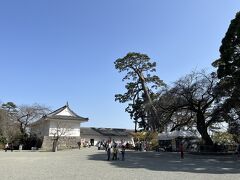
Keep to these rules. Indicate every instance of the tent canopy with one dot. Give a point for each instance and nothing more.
(175, 134)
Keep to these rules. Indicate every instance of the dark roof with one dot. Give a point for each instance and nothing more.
(53, 115)
(104, 131)
(89, 131)
(68, 118)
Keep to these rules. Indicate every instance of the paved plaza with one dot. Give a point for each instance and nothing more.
(91, 164)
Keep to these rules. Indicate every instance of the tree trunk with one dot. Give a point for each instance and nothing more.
(55, 142)
(202, 129)
(135, 125)
(149, 100)
(22, 130)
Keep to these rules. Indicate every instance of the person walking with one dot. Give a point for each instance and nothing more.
(99, 145)
(123, 152)
(181, 150)
(79, 144)
(108, 150)
(114, 157)
(6, 147)
(238, 150)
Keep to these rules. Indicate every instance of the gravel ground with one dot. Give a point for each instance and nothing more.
(91, 164)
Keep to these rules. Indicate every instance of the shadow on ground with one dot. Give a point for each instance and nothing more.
(171, 162)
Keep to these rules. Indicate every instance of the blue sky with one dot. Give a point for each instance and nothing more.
(57, 51)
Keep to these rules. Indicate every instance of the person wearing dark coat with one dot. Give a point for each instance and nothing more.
(123, 152)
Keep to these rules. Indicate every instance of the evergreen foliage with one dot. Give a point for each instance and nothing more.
(140, 87)
(228, 72)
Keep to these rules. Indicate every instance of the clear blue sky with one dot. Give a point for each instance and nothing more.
(57, 51)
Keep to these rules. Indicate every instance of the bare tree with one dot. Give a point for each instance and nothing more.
(191, 102)
(27, 114)
(61, 129)
(18, 119)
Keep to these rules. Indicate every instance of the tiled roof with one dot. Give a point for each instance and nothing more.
(55, 115)
(68, 118)
(89, 131)
(104, 131)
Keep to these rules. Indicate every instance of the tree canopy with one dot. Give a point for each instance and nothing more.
(140, 87)
(190, 103)
(228, 72)
(16, 120)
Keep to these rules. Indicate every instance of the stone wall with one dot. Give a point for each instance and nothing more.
(63, 142)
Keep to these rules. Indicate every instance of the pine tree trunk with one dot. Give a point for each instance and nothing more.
(149, 100)
(135, 126)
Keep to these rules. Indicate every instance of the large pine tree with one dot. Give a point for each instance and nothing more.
(228, 71)
(140, 84)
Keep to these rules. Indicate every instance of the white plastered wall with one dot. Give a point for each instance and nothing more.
(64, 127)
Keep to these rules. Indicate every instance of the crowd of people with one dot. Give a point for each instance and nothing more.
(141, 146)
(113, 149)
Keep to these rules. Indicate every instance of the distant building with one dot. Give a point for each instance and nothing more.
(170, 141)
(66, 124)
(95, 135)
(63, 123)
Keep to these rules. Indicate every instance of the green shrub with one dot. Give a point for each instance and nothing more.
(223, 138)
(2, 140)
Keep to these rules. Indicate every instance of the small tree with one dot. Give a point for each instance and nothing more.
(150, 138)
(223, 138)
(62, 129)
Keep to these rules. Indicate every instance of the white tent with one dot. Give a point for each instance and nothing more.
(183, 134)
(165, 136)
(175, 134)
